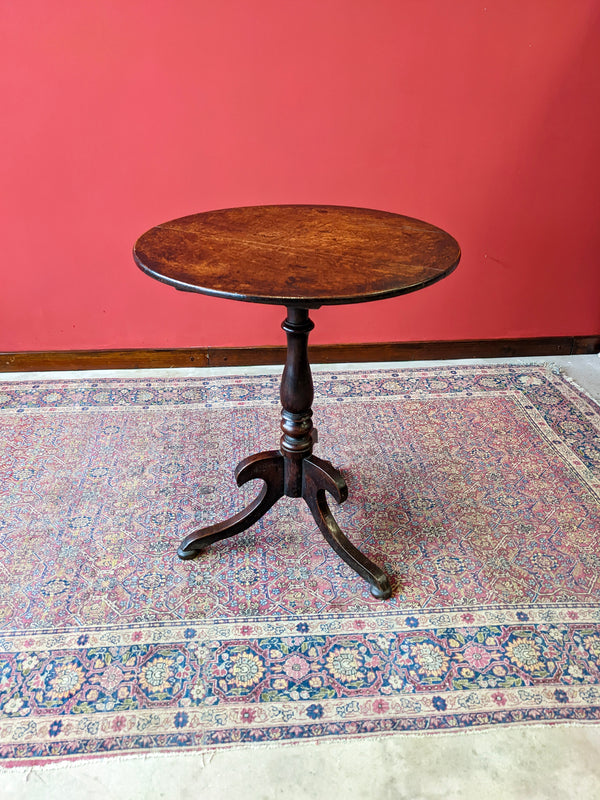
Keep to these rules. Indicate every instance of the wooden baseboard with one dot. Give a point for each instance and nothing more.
(319, 354)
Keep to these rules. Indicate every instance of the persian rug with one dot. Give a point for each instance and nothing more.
(476, 488)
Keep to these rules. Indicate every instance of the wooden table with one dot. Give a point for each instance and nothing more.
(301, 257)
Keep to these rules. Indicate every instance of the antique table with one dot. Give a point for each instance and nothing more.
(301, 257)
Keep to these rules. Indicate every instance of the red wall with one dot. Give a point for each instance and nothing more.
(481, 117)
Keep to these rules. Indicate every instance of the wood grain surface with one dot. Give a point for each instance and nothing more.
(297, 255)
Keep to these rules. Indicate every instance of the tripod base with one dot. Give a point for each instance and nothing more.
(280, 475)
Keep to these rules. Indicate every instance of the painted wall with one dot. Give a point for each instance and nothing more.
(481, 117)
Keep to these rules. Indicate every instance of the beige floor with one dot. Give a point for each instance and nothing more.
(524, 763)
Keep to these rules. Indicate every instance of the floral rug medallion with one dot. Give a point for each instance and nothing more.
(477, 489)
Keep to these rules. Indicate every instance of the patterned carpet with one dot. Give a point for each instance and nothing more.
(476, 488)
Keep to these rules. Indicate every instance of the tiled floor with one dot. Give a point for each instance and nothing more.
(528, 763)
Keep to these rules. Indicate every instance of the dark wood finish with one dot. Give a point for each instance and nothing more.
(319, 354)
(293, 470)
(411, 351)
(304, 256)
(296, 394)
(73, 360)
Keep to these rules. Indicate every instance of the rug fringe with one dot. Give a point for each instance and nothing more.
(207, 754)
(572, 381)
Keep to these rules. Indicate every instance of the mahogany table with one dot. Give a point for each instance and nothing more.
(301, 257)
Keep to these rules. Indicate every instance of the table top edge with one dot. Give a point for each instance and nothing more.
(302, 302)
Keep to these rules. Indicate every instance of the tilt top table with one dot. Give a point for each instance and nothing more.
(301, 257)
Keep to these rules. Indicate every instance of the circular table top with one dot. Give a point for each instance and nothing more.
(297, 255)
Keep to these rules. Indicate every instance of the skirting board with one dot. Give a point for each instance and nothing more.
(319, 354)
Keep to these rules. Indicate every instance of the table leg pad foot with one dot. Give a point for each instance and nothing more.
(382, 590)
(191, 552)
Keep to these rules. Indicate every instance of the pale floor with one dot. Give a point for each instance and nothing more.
(526, 763)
